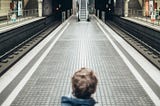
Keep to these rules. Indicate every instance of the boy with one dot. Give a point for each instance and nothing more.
(84, 84)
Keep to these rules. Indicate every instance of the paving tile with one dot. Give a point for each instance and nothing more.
(83, 45)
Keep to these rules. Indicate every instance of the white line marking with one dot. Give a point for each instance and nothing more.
(146, 87)
(19, 87)
(18, 67)
(149, 68)
(12, 26)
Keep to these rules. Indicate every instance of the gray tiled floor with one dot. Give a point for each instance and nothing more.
(83, 45)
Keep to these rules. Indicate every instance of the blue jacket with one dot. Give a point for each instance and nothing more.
(72, 101)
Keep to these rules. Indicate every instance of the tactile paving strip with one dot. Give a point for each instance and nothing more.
(83, 45)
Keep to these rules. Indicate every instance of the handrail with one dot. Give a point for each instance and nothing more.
(86, 8)
(79, 7)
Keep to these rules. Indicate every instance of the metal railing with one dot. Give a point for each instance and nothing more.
(18, 16)
(137, 13)
(153, 17)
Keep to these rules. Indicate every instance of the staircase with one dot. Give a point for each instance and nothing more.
(83, 10)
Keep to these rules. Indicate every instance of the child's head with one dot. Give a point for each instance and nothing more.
(84, 83)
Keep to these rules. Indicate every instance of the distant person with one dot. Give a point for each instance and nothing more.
(84, 84)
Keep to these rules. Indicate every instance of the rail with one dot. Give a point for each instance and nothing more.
(142, 38)
(146, 40)
(23, 40)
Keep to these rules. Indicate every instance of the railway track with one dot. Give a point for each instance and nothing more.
(140, 45)
(11, 57)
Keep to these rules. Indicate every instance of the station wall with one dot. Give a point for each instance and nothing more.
(118, 7)
(30, 4)
(47, 7)
(134, 5)
(4, 7)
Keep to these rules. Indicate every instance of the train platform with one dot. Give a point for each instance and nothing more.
(145, 22)
(8, 25)
(43, 76)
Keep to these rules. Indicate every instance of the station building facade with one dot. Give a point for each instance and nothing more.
(146, 6)
(16, 6)
(8, 7)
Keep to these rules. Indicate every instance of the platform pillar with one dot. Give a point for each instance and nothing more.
(40, 8)
(126, 8)
(143, 8)
(74, 6)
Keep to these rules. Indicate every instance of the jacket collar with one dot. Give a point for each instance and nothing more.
(77, 101)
